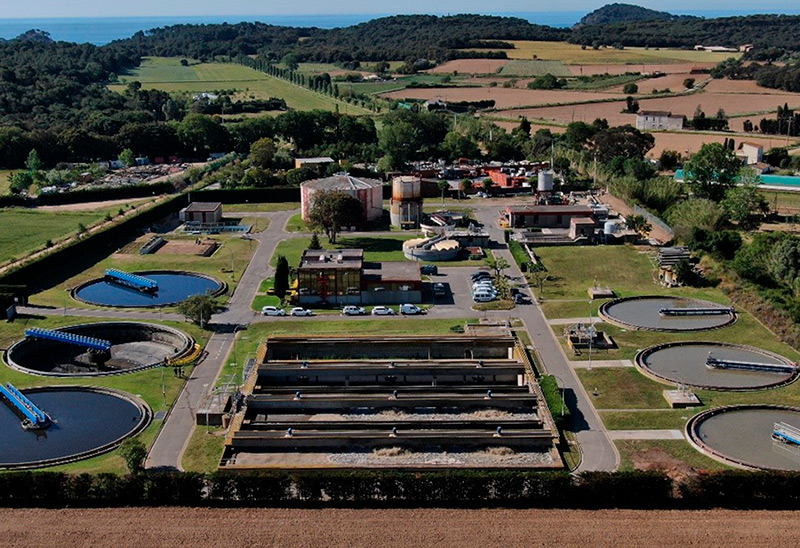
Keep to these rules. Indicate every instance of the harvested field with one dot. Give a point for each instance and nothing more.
(673, 82)
(734, 104)
(693, 141)
(444, 528)
(741, 86)
(676, 68)
(573, 54)
(504, 97)
(470, 66)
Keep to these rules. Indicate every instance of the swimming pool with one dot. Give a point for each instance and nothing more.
(789, 182)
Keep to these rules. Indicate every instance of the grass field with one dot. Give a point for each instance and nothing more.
(167, 74)
(146, 384)
(378, 248)
(32, 228)
(573, 54)
(668, 452)
(204, 450)
(534, 68)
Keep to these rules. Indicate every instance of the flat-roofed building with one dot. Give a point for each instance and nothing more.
(648, 120)
(545, 216)
(202, 212)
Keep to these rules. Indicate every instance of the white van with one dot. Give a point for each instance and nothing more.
(484, 296)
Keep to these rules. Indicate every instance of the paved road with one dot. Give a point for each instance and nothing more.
(599, 452)
(167, 451)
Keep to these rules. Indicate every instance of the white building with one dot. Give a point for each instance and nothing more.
(751, 153)
(649, 120)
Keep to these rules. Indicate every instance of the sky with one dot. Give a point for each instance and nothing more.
(132, 8)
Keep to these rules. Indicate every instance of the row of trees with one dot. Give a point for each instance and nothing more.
(460, 488)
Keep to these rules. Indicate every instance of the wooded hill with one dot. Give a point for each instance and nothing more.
(622, 13)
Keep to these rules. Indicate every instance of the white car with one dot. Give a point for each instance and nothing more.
(410, 310)
(299, 311)
(352, 310)
(273, 311)
(382, 311)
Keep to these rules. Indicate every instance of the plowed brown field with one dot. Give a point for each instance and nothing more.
(223, 528)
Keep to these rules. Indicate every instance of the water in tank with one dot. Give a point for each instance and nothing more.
(545, 181)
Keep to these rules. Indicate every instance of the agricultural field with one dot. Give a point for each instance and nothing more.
(442, 527)
(534, 68)
(146, 384)
(33, 228)
(470, 66)
(167, 74)
(573, 54)
(505, 98)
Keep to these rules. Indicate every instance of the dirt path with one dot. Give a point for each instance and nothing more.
(92, 206)
(332, 528)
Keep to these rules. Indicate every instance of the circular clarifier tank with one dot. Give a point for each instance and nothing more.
(85, 422)
(173, 287)
(742, 436)
(134, 346)
(686, 363)
(648, 313)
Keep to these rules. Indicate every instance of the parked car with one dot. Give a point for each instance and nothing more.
(352, 310)
(481, 275)
(439, 289)
(519, 298)
(299, 311)
(488, 285)
(382, 311)
(429, 269)
(484, 297)
(273, 311)
(410, 310)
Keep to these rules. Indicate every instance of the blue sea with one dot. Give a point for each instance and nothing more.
(102, 30)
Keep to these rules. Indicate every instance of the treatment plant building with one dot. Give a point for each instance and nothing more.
(367, 191)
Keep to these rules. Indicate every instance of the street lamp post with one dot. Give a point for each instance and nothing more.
(563, 389)
(591, 335)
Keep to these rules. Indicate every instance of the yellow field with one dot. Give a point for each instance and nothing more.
(572, 54)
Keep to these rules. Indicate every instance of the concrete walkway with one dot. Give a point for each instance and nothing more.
(599, 452)
(645, 434)
(167, 451)
(600, 364)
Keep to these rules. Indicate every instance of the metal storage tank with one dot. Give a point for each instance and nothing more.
(367, 191)
(611, 227)
(545, 181)
(406, 204)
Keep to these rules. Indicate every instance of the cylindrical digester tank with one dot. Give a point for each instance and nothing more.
(406, 188)
(545, 181)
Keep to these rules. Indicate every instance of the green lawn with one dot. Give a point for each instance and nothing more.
(625, 269)
(33, 228)
(376, 248)
(146, 384)
(167, 74)
(204, 450)
(218, 266)
(296, 224)
(262, 207)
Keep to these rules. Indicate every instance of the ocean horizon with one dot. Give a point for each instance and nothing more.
(102, 30)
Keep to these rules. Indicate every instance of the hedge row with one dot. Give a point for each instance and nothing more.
(457, 488)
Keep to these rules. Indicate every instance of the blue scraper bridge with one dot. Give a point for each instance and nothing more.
(69, 338)
(35, 418)
(133, 281)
